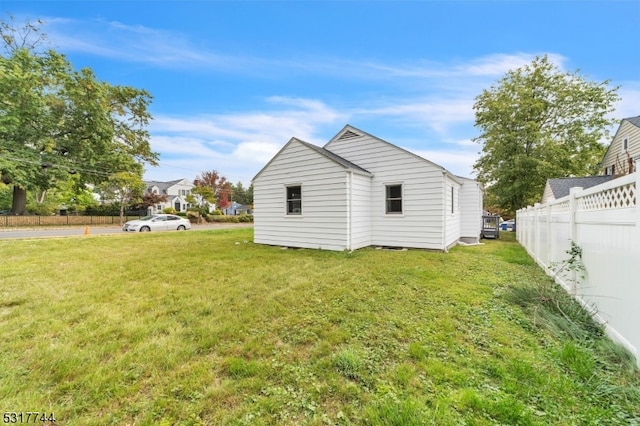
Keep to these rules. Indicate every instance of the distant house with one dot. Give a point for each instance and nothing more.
(235, 209)
(623, 153)
(359, 190)
(176, 192)
(560, 187)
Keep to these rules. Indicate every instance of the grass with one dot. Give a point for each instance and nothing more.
(206, 328)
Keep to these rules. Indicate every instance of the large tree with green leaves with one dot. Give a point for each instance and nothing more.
(56, 121)
(538, 123)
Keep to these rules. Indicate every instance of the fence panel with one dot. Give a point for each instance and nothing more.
(26, 221)
(604, 221)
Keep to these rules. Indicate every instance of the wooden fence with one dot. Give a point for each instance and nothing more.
(604, 221)
(22, 221)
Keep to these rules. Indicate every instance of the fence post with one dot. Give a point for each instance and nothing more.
(536, 232)
(573, 229)
(636, 192)
(547, 261)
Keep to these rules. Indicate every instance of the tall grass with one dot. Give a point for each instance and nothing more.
(208, 328)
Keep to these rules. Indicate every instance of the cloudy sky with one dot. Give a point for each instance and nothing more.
(233, 81)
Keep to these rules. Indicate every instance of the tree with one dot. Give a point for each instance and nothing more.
(124, 189)
(243, 195)
(539, 123)
(75, 198)
(151, 199)
(203, 196)
(222, 189)
(55, 121)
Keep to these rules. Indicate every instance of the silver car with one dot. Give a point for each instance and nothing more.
(157, 222)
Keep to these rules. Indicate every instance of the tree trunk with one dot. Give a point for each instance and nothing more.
(19, 205)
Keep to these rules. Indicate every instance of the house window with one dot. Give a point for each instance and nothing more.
(294, 200)
(625, 144)
(394, 199)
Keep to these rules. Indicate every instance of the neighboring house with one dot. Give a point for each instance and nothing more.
(235, 209)
(176, 192)
(560, 187)
(359, 190)
(623, 153)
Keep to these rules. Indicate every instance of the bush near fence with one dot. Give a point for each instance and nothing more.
(604, 223)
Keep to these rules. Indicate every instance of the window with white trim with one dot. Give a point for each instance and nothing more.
(393, 199)
(294, 200)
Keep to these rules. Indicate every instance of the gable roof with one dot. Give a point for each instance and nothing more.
(162, 185)
(324, 152)
(336, 158)
(633, 120)
(561, 186)
(351, 132)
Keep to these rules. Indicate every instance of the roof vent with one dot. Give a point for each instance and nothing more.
(348, 135)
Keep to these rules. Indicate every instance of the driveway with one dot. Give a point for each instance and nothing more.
(69, 231)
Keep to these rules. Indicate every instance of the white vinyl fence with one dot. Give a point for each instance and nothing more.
(604, 221)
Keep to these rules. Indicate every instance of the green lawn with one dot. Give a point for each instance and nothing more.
(207, 328)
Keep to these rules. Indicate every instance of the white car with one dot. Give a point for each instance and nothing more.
(157, 222)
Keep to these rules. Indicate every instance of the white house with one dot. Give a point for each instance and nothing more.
(176, 192)
(359, 190)
(623, 153)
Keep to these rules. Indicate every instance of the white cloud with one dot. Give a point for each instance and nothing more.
(237, 145)
(456, 161)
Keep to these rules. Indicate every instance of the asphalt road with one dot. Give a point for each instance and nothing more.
(81, 231)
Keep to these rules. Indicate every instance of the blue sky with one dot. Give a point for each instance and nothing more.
(233, 81)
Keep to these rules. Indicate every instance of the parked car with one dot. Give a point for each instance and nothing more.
(508, 225)
(157, 222)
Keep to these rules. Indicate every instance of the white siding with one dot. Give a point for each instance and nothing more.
(360, 211)
(452, 216)
(547, 195)
(421, 223)
(470, 210)
(323, 223)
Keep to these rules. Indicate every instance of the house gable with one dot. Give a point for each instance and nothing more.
(322, 179)
(345, 164)
(350, 133)
(616, 160)
(424, 187)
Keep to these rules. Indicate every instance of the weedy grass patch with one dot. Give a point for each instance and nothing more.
(207, 328)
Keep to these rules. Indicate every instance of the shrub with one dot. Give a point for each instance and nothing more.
(194, 216)
(41, 209)
(223, 219)
(103, 210)
(244, 218)
(169, 210)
